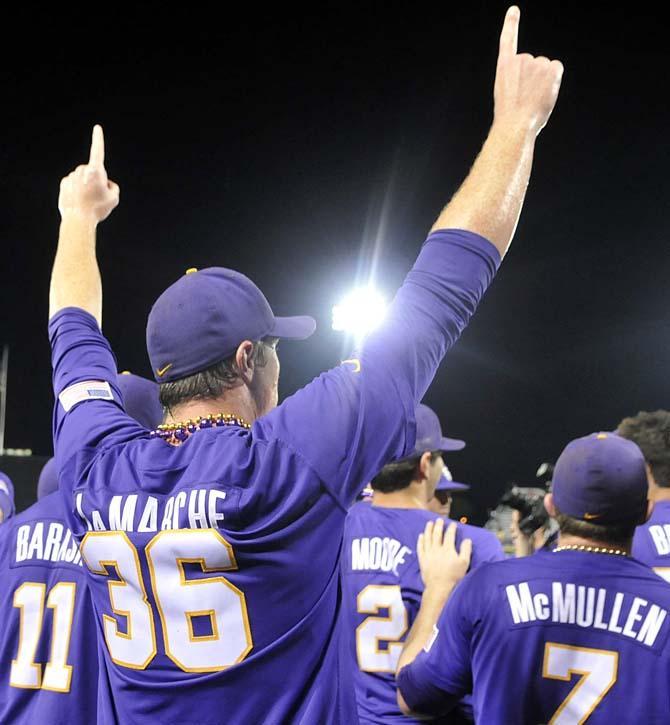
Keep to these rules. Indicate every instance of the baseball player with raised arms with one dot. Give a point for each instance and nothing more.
(381, 582)
(48, 639)
(565, 636)
(213, 545)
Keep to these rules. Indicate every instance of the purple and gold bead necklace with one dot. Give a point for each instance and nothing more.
(176, 433)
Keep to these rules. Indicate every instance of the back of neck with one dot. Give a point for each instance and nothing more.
(412, 497)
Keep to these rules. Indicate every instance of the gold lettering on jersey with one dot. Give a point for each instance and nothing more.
(585, 607)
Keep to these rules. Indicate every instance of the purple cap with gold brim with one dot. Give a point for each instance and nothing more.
(429, 433)
(447, 483)
(203, 317)
(601, 478)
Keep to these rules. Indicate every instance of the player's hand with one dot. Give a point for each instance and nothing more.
(526, 88)
(441, 565)
(87, 192)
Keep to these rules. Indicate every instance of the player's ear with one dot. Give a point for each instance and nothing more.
(424, 465)
(244, 361)
(549, 505)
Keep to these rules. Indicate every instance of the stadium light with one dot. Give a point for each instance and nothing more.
(359, 312)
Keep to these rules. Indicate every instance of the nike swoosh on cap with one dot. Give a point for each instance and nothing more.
(161, 371)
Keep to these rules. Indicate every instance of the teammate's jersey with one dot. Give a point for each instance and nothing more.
(555, 637)
(48, 643)
(215, 563)
(651, 543)
(382, 587)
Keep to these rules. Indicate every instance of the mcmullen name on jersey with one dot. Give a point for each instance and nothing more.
(46, 541)
(377, 554)
(595, 608)
(198, 508)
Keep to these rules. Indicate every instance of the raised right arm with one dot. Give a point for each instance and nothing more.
(351, 421)
(526, 88)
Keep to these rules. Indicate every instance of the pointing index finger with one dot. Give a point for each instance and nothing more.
(509, 36)
(97, 157)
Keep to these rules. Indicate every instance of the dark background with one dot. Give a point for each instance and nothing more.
(290, 146)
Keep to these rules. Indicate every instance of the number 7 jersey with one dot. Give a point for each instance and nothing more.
(557, 637)
(48, 648)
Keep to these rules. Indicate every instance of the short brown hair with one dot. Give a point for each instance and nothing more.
(618, 535)
(651, 432)
(210, 383)
(398, 475)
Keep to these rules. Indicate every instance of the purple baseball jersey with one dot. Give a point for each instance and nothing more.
(559, 637)
(651, 543)
(382, 587)
(48, 642)
(214, 565)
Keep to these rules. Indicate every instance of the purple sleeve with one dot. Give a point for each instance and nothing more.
(438, 678)
(351, 421)
(79, 352)
(486, 549)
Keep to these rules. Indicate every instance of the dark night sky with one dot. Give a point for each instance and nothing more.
(273, 144)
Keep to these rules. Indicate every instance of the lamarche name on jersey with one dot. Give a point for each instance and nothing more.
(46, 541)
(378, 554)
(587, 607)
(198, 508)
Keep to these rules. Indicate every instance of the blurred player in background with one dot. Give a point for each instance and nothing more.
(49, 640)
(381, 582)
(651, 432)
(232, 516)
(441, 502)
(7, 507)
(561, 636)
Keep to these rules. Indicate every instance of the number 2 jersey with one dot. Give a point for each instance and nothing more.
(557, 637)
(382, 588)
(48, 643)
(214, 565)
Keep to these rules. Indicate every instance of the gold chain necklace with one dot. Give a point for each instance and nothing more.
(177, 433)
(592, 549)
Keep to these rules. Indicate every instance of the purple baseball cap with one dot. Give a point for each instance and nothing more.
(203, 317)
(447, 483)
(6, 495)
(429, 433)
(601, 478)
(140, 399)
(48, 481)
